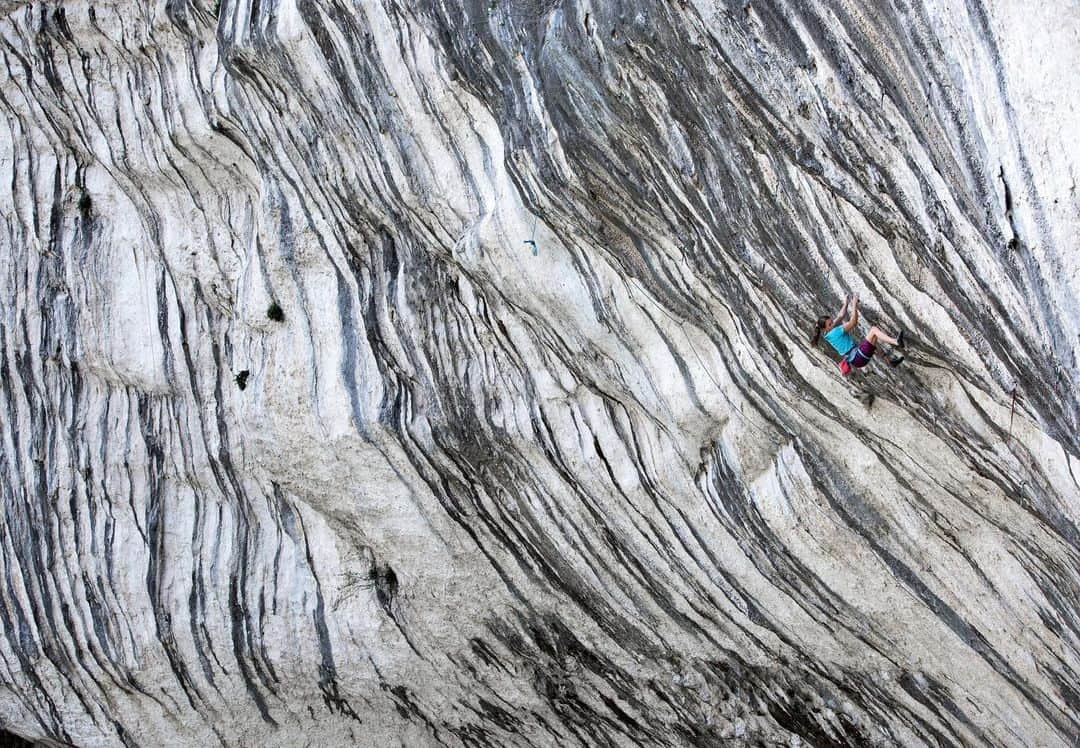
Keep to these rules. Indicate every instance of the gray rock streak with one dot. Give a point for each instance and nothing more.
(301, 442)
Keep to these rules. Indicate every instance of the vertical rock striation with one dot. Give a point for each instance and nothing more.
(302, 441)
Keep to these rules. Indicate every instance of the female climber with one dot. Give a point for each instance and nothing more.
(838, 334)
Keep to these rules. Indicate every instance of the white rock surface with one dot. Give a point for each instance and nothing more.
(603, 493)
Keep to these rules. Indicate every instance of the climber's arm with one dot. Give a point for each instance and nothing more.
(854, 318)
(840, 313)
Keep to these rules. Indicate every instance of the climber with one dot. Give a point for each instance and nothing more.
(838, 334)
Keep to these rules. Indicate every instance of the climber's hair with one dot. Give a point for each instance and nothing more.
(818, 327)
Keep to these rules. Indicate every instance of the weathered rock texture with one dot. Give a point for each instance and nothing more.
(303, 444)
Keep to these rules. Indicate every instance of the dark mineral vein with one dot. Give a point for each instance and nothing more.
(436, 373)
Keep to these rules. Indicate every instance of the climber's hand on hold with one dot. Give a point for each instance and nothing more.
(853, 320)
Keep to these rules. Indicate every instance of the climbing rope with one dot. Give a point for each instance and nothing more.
(532, 239)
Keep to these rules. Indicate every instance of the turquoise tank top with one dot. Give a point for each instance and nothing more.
(840, 340)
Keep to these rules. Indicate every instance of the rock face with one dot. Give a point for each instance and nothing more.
(419, 373)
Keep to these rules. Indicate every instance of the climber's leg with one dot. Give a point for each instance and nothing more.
(877, 335)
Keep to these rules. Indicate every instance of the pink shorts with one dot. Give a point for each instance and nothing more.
(861, 354)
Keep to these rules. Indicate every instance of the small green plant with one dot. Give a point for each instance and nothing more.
(241, 379)
(275, 312)
(86, 204)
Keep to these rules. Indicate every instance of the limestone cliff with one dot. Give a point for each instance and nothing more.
(388, 372)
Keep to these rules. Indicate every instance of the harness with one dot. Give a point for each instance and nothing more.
(847, 358)
(856, 351)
